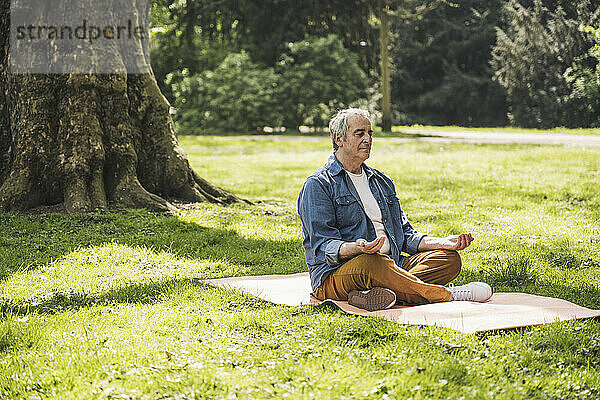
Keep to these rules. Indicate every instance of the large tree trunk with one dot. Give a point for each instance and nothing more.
(90, 140)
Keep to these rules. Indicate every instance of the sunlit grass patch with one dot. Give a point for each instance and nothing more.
(515, 272)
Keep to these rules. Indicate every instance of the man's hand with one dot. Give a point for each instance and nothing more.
(350, 249)
(457, 242)
(370, 247)
(452, 242)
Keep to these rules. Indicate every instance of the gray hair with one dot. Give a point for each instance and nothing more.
(338, 125)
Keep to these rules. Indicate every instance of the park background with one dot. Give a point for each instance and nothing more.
(110, 304)
(239, 66)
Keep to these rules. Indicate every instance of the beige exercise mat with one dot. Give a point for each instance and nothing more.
(502, 311)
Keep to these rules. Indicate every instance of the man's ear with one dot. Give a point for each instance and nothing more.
(339, 140)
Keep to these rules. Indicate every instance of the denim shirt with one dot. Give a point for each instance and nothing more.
(332, 213)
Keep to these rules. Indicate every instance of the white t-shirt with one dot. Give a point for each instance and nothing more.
(361, 183)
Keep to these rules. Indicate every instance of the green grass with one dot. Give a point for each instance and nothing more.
(111, 305)
(504, 129)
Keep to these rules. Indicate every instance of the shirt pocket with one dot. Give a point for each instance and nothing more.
(395, 210)
(393, 204)
(347, 210)
(392, 199)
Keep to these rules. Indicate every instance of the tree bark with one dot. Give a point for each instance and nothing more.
(90, 141)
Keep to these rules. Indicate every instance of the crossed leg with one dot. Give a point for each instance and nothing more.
(420, 280)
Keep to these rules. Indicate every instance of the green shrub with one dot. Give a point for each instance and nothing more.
(237, 96)
(318, 76)
(313, 79)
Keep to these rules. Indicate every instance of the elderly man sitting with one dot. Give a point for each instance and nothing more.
(355, 233)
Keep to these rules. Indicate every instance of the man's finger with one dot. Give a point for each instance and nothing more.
(372, 249)
(460, 242)
(469, 239)
(463, 241)
(375, 245)
(381, 241)
(369, 246)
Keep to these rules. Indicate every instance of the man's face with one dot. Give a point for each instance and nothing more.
(357, 144)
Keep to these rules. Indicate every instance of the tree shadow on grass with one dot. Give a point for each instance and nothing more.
(31, 242)
(34, 242)
(135, 293)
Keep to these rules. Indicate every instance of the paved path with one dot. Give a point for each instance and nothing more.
(509, 138)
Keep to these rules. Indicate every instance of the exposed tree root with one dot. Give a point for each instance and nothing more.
(85, 141)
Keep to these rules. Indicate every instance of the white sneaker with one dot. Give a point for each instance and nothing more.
(474, 291)
(378, 298)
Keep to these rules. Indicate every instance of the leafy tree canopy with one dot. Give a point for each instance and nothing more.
(441, 72)
(531, 57)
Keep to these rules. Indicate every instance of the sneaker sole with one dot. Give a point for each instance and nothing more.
(375, 299)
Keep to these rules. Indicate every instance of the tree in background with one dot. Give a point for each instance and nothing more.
(314, 77)
(440, 67)
(584, 76)
(190, 35)
(198, 35)
(318, 76)
(532, 54)
(266, 27)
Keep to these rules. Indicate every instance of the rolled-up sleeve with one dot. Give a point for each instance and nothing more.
(322, 238)
(332, 251)
(412, 238)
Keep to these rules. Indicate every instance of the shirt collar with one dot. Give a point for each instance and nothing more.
(335, 166)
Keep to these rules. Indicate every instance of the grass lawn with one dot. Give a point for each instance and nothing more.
(111, 305)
